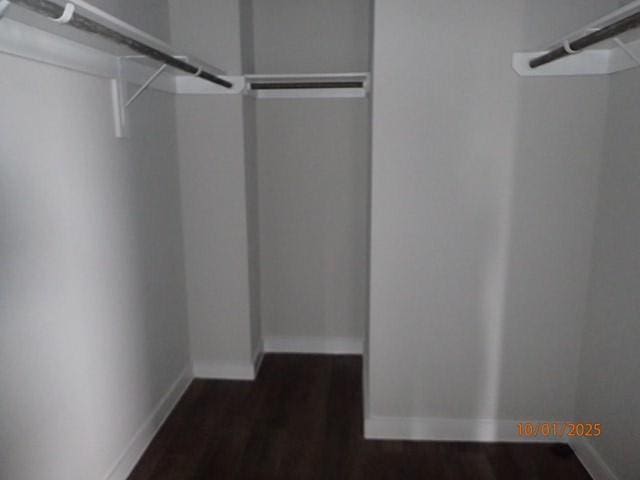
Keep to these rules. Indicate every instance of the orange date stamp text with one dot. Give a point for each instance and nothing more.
(559, 429)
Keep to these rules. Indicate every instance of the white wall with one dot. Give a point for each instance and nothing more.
(483, 203)
(249, 110)
(210, 30)
(211, 139)
(151, 16)
(249, 113)
(313, 175)
(313, 171)
(317, 36)
(211, 146)
(92, 298)
(609, 385)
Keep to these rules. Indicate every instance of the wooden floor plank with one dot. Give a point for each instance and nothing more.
(302, 419)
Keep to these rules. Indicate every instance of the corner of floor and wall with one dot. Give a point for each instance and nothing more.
(476, 241)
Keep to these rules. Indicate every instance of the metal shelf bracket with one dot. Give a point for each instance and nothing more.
(120, 91)
(145, 85)
(627, 50)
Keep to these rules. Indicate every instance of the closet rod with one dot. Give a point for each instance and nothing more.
(304, 85)
(599, 35)
(57, 12)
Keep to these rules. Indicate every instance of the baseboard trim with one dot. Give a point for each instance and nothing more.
(246, 371)
(591, 460)
(447, 429)
(258, 355)
(127, 461)
(276, 344)
(317, 345)
(224, 371)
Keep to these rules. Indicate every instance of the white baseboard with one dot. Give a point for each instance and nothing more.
(318, 345)
(230, 370)
(224, 371)
(592, 460)
(257, 361)
(145, 434)
(274, 344)
(447, 429)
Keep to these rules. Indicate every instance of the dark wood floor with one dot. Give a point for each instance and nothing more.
(302, 419)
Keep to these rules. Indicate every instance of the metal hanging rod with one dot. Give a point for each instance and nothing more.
(68, 16)
(599, 35)
(304, 85)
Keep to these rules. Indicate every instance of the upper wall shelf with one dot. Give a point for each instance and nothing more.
(318, 85)
(599, 48)
(79, 37)
(81, 21)
(46, 36)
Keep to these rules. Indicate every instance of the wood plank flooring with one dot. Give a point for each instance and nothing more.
(302, 419)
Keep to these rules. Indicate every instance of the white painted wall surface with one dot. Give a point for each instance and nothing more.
(210, 30)
(313, 176)
(313, 172)
(92, 298)
(211, 139)
(484, 190)
(311, 36)
(249, 109)
(211, 146)
(150, 16)
(609, 384)
(249, 113)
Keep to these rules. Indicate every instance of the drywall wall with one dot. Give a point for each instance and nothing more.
(224, 326)
(92, 300)
(150, 16)
(483, 204)
(209, 30)
(313, 177)
(212, 176)
(313, 165)
(251, 174)
(253, 219)
(318, 36)
(609, 383)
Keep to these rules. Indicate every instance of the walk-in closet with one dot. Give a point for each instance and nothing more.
(319, 239)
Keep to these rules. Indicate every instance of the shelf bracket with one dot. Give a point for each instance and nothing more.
(120, 91)
(145, 85)
(627, 50)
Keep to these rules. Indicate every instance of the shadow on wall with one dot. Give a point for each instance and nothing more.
(482, 250)
(537, 276)
(92, 288)
(561, 124)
